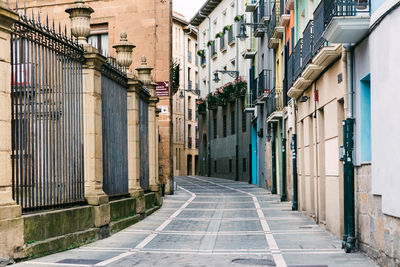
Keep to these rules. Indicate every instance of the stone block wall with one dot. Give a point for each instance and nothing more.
(378, 235)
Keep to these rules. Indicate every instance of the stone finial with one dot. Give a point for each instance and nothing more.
(79, 14)
(144, 72)
(124, 51)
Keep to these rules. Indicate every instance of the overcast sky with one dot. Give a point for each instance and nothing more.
(187, 7)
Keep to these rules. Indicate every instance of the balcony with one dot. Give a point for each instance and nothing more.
(274, 104)
(189, 142)
(231, 37)
(253, 92)
(289, 71)
(346, 21)
(197, 143)
(264, 85)
(264, 15)
(249, 54)
(213, 51)
(259, 30)
(275, 29)
(307, 51)
(297, 63)
(222, 44)
(190, 114)
(190, 56)
(203, 60)
(251, 5)
(189, 85)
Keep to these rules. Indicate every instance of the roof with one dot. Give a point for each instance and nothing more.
(205, 10)
(177, 17)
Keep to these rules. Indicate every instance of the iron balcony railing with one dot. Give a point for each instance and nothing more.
(213, 49)
(256, 18)
(190, 56)
(190, 84)
(307, 44)
(333, 8)
(264, 82)
(197, 143)
(203, 60)
(231, 37)
(275, 17)
(189, 142)
(262, 12)
(319, 27)
(190, 114)
(289, 71)
(253, 93)
(297, 64)
(222, 43)
(274, 101)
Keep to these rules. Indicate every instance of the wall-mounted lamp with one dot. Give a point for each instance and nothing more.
(303, 99)
(216, 78)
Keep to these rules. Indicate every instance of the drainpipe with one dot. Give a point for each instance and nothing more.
(209, 90)
(283, 196)
(348, 136)
(295, 205)
(237, 100)
(273, 156)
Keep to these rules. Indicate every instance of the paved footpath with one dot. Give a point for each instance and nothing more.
(215, 222)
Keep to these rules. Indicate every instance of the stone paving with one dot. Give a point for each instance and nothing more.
(215, 222)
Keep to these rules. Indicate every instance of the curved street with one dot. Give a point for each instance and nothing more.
(215, 222)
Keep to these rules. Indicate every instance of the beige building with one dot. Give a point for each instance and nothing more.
(185, 144)
(148, 26)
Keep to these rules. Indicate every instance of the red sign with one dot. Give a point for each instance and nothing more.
(162, 89)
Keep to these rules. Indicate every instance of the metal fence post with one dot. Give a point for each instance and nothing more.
(11, 222)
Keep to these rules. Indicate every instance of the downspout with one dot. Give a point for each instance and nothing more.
(295, 205)
(237, 99)
(209, 90)
(283, 196)
(273, 156)
(348, 136)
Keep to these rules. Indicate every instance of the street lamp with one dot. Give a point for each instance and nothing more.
(242, 32)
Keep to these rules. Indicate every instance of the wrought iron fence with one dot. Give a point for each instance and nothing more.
(231, 37)
(297, 64)
(264, 82)
(114, 123)
(46, 108)
(289, 71)
(307, 44)
(319, 27)
(144, 144)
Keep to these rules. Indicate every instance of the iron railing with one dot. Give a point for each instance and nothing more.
(190, 142)
(307, 44)
(197, 143)
(144, 144)
(319, 27)
(289, 71)
(274, 101)
(114, 123)
(213, 49)
(190, 56)
(190, 114)
(46, 116)
(262, 10)
(190, 84)
(333, 8)
(222, 42)
(203, 60)
(275, 18)
(253, 93)
(256, 18)
(231, 37)
(264, 82)
(297, 67)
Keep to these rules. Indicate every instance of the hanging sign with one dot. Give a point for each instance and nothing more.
(162, 89)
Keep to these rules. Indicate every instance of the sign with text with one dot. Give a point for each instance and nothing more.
(162, 89)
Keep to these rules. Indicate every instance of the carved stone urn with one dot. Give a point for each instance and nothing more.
(124, 52)
(79, 14)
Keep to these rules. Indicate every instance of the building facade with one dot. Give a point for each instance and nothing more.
(185, 119)
(224, 126)
(145, 22)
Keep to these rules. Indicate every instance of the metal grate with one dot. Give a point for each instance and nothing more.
(46, 97)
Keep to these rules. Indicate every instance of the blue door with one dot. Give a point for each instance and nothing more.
(254, 145)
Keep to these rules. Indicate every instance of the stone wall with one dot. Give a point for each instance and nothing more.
(377, 234)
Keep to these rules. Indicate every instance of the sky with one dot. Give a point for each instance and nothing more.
(187, 7)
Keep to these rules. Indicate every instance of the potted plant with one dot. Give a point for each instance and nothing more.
(227, 28)
(200, 53)
(212, 101)
(240, 87)
(210, 43)
(238, 18)
(219, 35)
(201, 106)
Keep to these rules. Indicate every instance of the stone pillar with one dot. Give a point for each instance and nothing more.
(144, 72)
(133, 143)
(11, 222)
(93, 136)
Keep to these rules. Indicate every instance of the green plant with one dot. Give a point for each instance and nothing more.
(201, 106)
(238, 18)
(240, 87)
(227, 28)
(210, 43)
(200, 52)
(219, 35)
(212, 101)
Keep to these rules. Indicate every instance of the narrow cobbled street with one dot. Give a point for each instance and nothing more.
(215, 222)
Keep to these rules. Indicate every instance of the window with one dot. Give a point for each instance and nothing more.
(244, 165)
(244, 122)
(365, 113)
(215, 128)
(215, 166)
(230, 165)
(232, 122)
(99, 37)
(224, 126)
